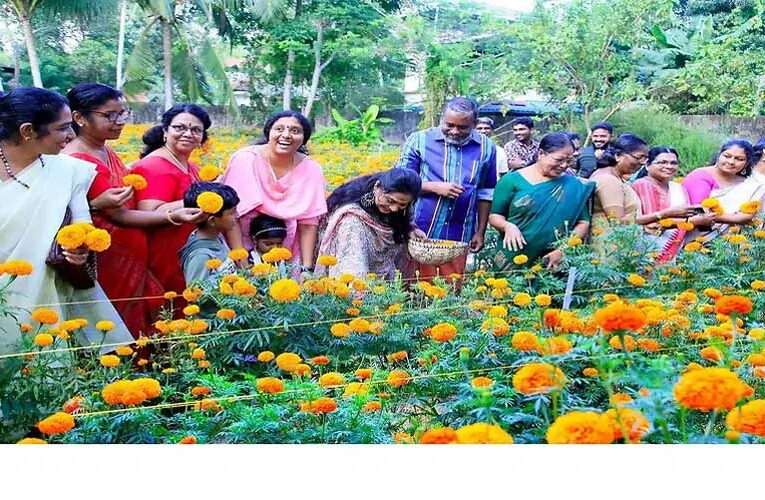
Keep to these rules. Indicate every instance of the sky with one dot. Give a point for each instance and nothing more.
(519, 5)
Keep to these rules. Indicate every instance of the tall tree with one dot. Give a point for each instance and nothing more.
(25, 10)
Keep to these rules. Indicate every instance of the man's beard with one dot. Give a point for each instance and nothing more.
(456, 142)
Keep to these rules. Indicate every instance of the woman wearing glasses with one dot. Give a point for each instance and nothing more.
(169, 173)
(615, 201)
(99, 115)
(664, 200)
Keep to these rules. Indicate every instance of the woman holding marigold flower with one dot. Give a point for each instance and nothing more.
(538, 204)
(728, 185)
(99, 115)
(369, 224)
(166, 167)
(279, 179)
(38, 186)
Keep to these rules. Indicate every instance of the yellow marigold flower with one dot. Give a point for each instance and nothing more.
(198, 353)
(284, 290)
(749, 418)
(497, 326)
(756, 359)
(287, 361)
(277, 254)
(574, 241)
(262, 269)
(710, 203)
(71, 237)
(238, 254)
(759, 233)
(636, 280)
(168, 371)
(271, 385)
(191, 310)
(170, 295)
(750, 207)
(708, 389)
(244, 288)
(481, 382)
(98, 240)
(209, 173)
(685, 225)
(497, 311)
(136, 181)
(483, 433)
(538, 378)
(359, 325)
(443, 332)
(580, 427)
(58, 423)
(524, 341)
(543, 300)
(340, 330)
(192, 294)
(105, 326)
(209, 202)
(43, 339)
(124, 350)
(45, 316)
(331, 379)
(522, 299)
(398, 378)
(712, 354)
(266, 356)
(213, 264)
(590, 372)
(649, 345)
(32, 441)
(327, 260)
(226, 314)
(616, 343)
(17, 268)
(666, 223)
(109, 360)
(520, 259)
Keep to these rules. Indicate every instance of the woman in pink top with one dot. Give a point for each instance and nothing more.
(278, 179)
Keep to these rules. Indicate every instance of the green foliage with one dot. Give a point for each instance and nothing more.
(362, 130)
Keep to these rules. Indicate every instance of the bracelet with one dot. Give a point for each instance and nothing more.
(170, 219)
(658, 216)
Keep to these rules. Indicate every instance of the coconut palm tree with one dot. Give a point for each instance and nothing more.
(26, 9)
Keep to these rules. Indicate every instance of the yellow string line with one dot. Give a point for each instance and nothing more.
(178, 339)
(247, 397)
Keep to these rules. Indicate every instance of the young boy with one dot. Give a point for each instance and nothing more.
(207, 241)
(266, 233)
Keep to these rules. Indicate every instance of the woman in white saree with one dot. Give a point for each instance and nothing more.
(37, 184)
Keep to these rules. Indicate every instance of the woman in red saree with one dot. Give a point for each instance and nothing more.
(169, 173)
(99, 114)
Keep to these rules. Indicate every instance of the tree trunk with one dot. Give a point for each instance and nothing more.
(287, 100)
(29, 38)
(317, 67)
(167, 60)
(758, 96)
(121, 43)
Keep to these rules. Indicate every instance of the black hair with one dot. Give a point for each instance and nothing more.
(288, 113)
(552, 142)
(523, 120)
(154, 138)
(485, 120)
(758, 150)
(40, 107)
(86, 97)
(624, 144)
(603, 126)
(230, 198)
(463, 105)
(573, 136)
(264, 226)
(395, 180)
(748, 149)
(653, 153)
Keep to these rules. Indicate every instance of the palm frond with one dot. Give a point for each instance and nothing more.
(142, 62)
(188, 72)
(79, 9)
(211, 61)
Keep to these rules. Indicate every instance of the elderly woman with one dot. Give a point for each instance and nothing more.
(370, 222)
(537, 205)
(39, 187)
(279, 179)
(99, 114)
(662, 199)
(730, 183)
(166, 166)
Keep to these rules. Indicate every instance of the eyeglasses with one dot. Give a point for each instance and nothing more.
(114, 116)
(641, 159)
(664, 163)
(182, 129)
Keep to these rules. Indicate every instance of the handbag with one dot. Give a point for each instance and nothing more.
(80, 277)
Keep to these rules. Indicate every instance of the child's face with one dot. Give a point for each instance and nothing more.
(263, 245)
(225, 221)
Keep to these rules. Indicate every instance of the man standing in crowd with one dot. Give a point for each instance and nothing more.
(458, 170)
(522, 150)
(600, 134)
(485, 126)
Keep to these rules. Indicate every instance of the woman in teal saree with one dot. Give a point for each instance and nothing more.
(535, 206)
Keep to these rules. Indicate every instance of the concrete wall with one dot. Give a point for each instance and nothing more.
(731, 127)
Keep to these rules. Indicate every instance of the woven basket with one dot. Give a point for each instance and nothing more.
(435, 252)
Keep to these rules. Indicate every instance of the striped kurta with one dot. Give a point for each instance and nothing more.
(471, 165)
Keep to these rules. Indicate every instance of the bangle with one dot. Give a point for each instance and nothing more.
(658, 216)
(170, 219)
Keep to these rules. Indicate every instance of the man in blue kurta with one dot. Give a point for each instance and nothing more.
(458, 170)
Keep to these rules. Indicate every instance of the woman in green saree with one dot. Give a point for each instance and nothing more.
(536, 205)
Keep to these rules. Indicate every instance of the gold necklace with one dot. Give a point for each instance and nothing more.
(177, 162)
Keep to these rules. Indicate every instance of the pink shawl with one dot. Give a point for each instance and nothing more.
(298, 197)
(653, 199)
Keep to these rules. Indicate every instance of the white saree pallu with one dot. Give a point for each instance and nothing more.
(29, 220)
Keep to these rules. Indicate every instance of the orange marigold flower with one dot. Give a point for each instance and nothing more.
(627, 419)
(322, 406)
(327, 260)
(124, 350)
(109, 360)
(71, 237)
(17, 267)
(188, 440)
(616, 343)
(442, 435)
(636, 280)
(551, 318)
(200, 390)
(398, 378)
(590, 372)
(481, 382)
(553, 346)
(192, 294)
(198, 353)
(302, 369)
(43, 339)
(45, 316)
(372, 406)
(277, 254)
(750, 207)
(191, 310)
(733, 304)
(543, 300)
(98, 240)
(359, 325)
(320, 360)
(748, 418)
(497, 312)
(363, 373)
(284, 290)
(209, 173)
(538, 378)
(271, 385)
(340, 330)
(238, 254)
(525, 341)
(136, 181)
(32, 441)
(58, 423)
(619, 316)
(580, 427)
(712, 354)
(209, 202)
(756, 359)
(287, 361)
(397, 356)
(331, 379)
(522, 299)
(620, 398)
(708, 389)
(226, 314)
(483, 433)
(443, 332)
(403, 438)
(497, 326)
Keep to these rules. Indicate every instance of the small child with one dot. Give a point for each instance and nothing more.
(266, 233)
(207, 241)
